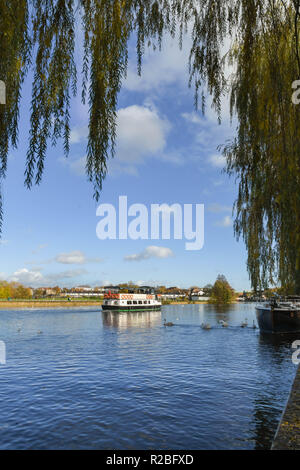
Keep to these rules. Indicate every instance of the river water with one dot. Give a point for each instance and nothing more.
(86, 379)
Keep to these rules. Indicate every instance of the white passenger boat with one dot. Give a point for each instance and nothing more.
(142, 299)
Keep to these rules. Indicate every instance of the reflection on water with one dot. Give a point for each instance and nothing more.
(108, 380)
(131, 319)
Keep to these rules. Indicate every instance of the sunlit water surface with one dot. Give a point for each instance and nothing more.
(95, 380)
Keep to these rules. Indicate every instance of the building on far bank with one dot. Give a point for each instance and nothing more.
(198, 295)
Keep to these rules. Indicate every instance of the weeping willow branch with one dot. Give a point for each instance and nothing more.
(264, 156)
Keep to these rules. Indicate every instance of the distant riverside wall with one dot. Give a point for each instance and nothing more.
(47, 303)
(288, 433)
(20, 304)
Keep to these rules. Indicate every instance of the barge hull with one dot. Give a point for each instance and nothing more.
(278, 321)
(131, 308)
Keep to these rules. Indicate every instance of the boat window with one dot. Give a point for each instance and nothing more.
(135, 302)
(140, 302)
(129, 302)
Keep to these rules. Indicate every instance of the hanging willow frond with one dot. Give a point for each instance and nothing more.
(15, 49)
(55, 73)
(265, 155)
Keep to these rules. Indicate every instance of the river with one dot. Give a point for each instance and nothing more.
(87, 379)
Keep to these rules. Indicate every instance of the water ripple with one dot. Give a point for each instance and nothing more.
(123, 381)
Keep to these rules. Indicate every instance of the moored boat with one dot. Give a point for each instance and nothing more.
(133, 300)
(279, 316)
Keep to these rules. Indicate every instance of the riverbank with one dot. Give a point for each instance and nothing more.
(40, 303)
(288, 433)
(22, 304)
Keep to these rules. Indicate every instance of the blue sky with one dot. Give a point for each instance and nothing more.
(166, 153)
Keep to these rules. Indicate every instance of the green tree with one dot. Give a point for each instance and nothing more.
(222, 292)
(207, 289)
(21, 292)
(14, 290)
(264, 53)
(5, 290)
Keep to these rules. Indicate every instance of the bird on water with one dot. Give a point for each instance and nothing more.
(205, 326)
(168, 323)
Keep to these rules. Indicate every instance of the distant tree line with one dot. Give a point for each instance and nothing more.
(14, 290)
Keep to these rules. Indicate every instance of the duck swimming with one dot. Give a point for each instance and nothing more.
(168, 323)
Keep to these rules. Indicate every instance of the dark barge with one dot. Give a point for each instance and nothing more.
(279, 316)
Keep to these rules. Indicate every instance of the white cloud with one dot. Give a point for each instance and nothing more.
(217, 161)
(168, 67)
(78, 134)
(35, 278)
(225, 222)
(193, 118)
(75, 257)
(217, 208)
(27, 277)
(207, 135)
(151, 252)
(39, 248)
(69, 274)
(141, 134)
(160, 68)
(3, 242)
(76, 164)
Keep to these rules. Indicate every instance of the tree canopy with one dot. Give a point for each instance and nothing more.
(14, 290)
(264, 53)
(221, 293)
